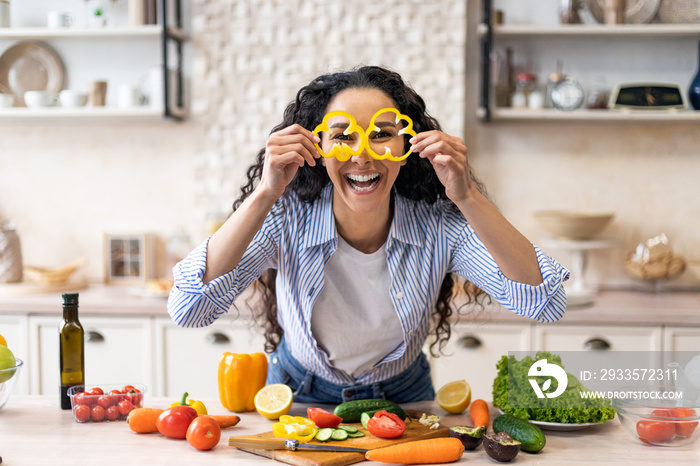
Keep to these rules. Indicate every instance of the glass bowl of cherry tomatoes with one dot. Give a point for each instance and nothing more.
(662, 415)
(106, 402)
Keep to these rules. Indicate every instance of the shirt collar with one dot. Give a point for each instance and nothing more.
(320, 227)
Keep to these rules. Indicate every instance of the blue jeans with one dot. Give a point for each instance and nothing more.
(413, 384)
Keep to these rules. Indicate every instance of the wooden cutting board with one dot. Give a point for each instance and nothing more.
(414, 431)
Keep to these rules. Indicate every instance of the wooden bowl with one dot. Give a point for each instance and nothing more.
(53, 276)
(571, 225)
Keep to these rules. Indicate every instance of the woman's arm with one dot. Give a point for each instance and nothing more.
(286, 150)
(513, 253)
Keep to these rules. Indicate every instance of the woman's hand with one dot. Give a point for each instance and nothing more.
(448, 155)
(285, 151)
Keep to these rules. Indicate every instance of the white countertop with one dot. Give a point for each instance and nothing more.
(610, 307)
(35, 431)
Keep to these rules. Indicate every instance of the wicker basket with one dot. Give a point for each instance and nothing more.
(53, 276)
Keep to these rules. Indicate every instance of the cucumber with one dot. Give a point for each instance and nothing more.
(339, 434)
(529, 435)
(364, 418)
(357, 434)
(324, 434)
(348, 429)
(351, 411)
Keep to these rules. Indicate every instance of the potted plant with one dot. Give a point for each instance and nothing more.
(98, 18)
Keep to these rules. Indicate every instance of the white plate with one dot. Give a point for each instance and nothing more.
(561, 426)
(636, 11)
(30, 65)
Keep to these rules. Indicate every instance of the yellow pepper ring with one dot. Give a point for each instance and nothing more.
(342, 152)
(407, 130)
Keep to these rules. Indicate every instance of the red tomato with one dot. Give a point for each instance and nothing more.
(203, 433)
(135, 396)
(96, 391)
(656, 431)
(112, 413)
(83, 398)
(105, 401)
(81, 413)
(116, 395)
(323, 418)
(174, 422)
(386, 425)
(125, 407)
(685, 429)
(128, 388)
(97, 413)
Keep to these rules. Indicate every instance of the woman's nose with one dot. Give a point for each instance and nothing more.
(361, 159)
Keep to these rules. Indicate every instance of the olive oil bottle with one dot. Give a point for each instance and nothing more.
(71, 349)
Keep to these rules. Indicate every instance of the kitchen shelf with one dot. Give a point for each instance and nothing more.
(146, 31)
(488, 33)
(94, 114)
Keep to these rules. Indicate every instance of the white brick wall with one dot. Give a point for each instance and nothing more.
(251, 57)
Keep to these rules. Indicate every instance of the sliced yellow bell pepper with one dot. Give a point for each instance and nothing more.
(241, 376)
(196, 405)
(295, 428)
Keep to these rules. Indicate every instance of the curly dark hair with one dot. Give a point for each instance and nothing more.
(416, 180)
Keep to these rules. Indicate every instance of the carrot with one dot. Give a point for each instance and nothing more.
(143, 420)
(226, 421)
(434, 450)
(479, 412)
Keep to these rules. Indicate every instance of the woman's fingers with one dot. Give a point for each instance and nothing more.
(294, 139)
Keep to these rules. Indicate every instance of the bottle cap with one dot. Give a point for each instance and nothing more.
(70, 299)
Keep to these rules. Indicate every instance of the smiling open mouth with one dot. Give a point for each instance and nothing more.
(363, 182)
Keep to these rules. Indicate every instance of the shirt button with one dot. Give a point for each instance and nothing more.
(399, 295)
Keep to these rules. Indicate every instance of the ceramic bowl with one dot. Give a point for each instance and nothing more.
(661, 415)
(572, 225)
(39, 99)
(7, 386)
(7, 100)
(71, 98)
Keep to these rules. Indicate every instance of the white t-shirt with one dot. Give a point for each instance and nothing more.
(353, 319)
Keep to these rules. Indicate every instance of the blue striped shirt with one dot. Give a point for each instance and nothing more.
(426, 241)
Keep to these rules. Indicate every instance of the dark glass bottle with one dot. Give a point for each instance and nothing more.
(71, 349)
(694, 91)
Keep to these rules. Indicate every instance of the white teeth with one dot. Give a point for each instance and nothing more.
(362, 178)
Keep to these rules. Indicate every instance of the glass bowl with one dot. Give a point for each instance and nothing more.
(661, 415)
(9, 379)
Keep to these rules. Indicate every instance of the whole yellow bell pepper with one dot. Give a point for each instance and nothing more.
(241, 376)
(296, 428)
(197, 405)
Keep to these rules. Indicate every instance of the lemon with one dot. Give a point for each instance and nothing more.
(454, 397)
(7, 361)
(274, 400)
(3, 342)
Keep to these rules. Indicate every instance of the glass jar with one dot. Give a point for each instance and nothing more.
(525, 85)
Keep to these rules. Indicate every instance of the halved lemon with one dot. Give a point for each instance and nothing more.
(274, 400)
(454, 397)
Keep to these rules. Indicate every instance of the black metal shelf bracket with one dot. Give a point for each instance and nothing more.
(486, 43)
(166, 37)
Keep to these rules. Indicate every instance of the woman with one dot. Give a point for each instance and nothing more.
(360, 253)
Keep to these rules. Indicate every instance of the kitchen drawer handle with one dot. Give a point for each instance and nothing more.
(94, 337)
(217, 338)
(469, 342)
(597, 344)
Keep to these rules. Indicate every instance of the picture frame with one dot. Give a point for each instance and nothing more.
(128, 258)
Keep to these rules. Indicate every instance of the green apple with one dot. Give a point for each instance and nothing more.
(7, 361)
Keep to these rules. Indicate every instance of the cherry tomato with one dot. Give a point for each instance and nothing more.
(135, 396)
(105, 401)
(125, 407)
(685, 429)
(117, 395)
(112, 413)
(83, 398)
(97, 413)
(386, 425)
(203, 433)
(651, 431)
(128, 388)
(96, 391)
(173, 422)
(323, 418)
(81, 413)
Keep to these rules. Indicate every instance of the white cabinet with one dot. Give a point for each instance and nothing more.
(189, 357)
(601, 338)
(117, 350)
(682, 339)
(473, 351)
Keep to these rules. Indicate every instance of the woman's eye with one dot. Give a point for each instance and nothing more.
(382, 135)
(342, 137)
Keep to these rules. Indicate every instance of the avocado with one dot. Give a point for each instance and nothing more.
(501, 446)
(471, 437)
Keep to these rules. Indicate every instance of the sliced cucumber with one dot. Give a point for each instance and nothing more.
(339, 434)
(357, 434)
(364, 418)
(347, 428)
(324, 434)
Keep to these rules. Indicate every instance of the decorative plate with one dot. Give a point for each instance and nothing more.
(30, 65)
(679, 11)
(561, 426)
(636, 11)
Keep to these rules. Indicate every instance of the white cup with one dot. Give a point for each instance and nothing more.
(57, 19)
(4, 13)
(128, 96)
(35, 99)
(71, 98)
(7, 100)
